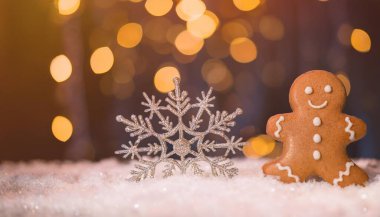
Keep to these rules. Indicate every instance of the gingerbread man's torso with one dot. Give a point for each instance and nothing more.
(315, 139)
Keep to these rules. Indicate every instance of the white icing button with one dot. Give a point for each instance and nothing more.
(316, 155)
(317, 138)
(317, 121)
(308, 90)
(328, 88)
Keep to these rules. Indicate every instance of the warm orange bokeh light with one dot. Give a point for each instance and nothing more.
(259, 146)
(202, 27)
(217, 75)
(246, 5)
(62, 128)
(360, 40)
(61, 68)
(187, 43)
(163, 79)
(129, 35)
(235, 29)
(158, 7)
(190, 9)
(101, 60)
(243, 50)
(67, 7)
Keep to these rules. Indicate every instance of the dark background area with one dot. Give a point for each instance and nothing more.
(32, 33)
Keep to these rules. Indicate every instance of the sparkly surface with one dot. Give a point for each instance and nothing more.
(172, 140)
(101, 189)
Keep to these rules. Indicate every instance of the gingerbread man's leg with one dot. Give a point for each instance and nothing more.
(287, 170)
(343, 173)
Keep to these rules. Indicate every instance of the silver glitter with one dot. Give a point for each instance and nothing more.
(178, 139)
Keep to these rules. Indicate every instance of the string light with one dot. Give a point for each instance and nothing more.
(360, 40)
(101, 60)
(163, 79)
(60, 68)
(67, 7)
(62, 128)
(129, 35)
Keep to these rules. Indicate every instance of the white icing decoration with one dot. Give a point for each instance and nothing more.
(328, 89)
(343, 173)
(348, 129)
(308, 90)
(317, 122)
(289, 170)
(317, 138)
(321, 106)
(279, 128)
(316, 155)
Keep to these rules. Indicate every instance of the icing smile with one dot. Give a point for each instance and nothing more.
(321, 106)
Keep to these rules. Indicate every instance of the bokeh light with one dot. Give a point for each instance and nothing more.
(158, 7)
(217, 75)
(163, 79)
(271, 28)
(60, 68)
(203, 26)
(259, 146)
(346, 81)
(101, 60)
(62, 128)
(246, 5)
(155, 29)
(360, 40)
(236, 29)
(190, 9)
(344, 34)
(130, 35)
(243, 50)
(187, 43)
(67, 7)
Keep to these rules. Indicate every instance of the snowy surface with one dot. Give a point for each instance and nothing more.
(101, 189)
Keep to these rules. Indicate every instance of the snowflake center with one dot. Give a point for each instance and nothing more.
(181, 147)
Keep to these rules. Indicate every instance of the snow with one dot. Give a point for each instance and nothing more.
(100, 189)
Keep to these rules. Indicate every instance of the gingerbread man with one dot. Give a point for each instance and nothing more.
(316, 133)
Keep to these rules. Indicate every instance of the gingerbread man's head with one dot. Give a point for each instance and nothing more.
(317, 90)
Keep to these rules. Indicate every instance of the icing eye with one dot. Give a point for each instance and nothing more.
(308, 90)
(328, 89)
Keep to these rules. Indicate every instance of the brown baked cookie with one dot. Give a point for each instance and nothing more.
(316, 133)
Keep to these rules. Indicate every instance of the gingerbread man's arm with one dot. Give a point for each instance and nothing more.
(355, 128)
(275, 126)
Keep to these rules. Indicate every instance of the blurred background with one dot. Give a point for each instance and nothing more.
(68, 67)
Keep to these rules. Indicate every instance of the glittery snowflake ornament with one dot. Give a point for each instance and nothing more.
(181, 147)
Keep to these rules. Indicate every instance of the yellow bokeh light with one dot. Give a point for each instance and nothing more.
(130, 35)
(360, 40)
(190, 9)
(158, 7)
(62, 128)
(163, 79)
(213, 17)
(202, 27)
(187, 43)
(60, 68)
(243, 50)
(246, 5)
(67, 7)
(101, 60)
(271, 28)
(259, 146)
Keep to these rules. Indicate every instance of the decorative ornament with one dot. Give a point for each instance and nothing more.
(181, 147)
